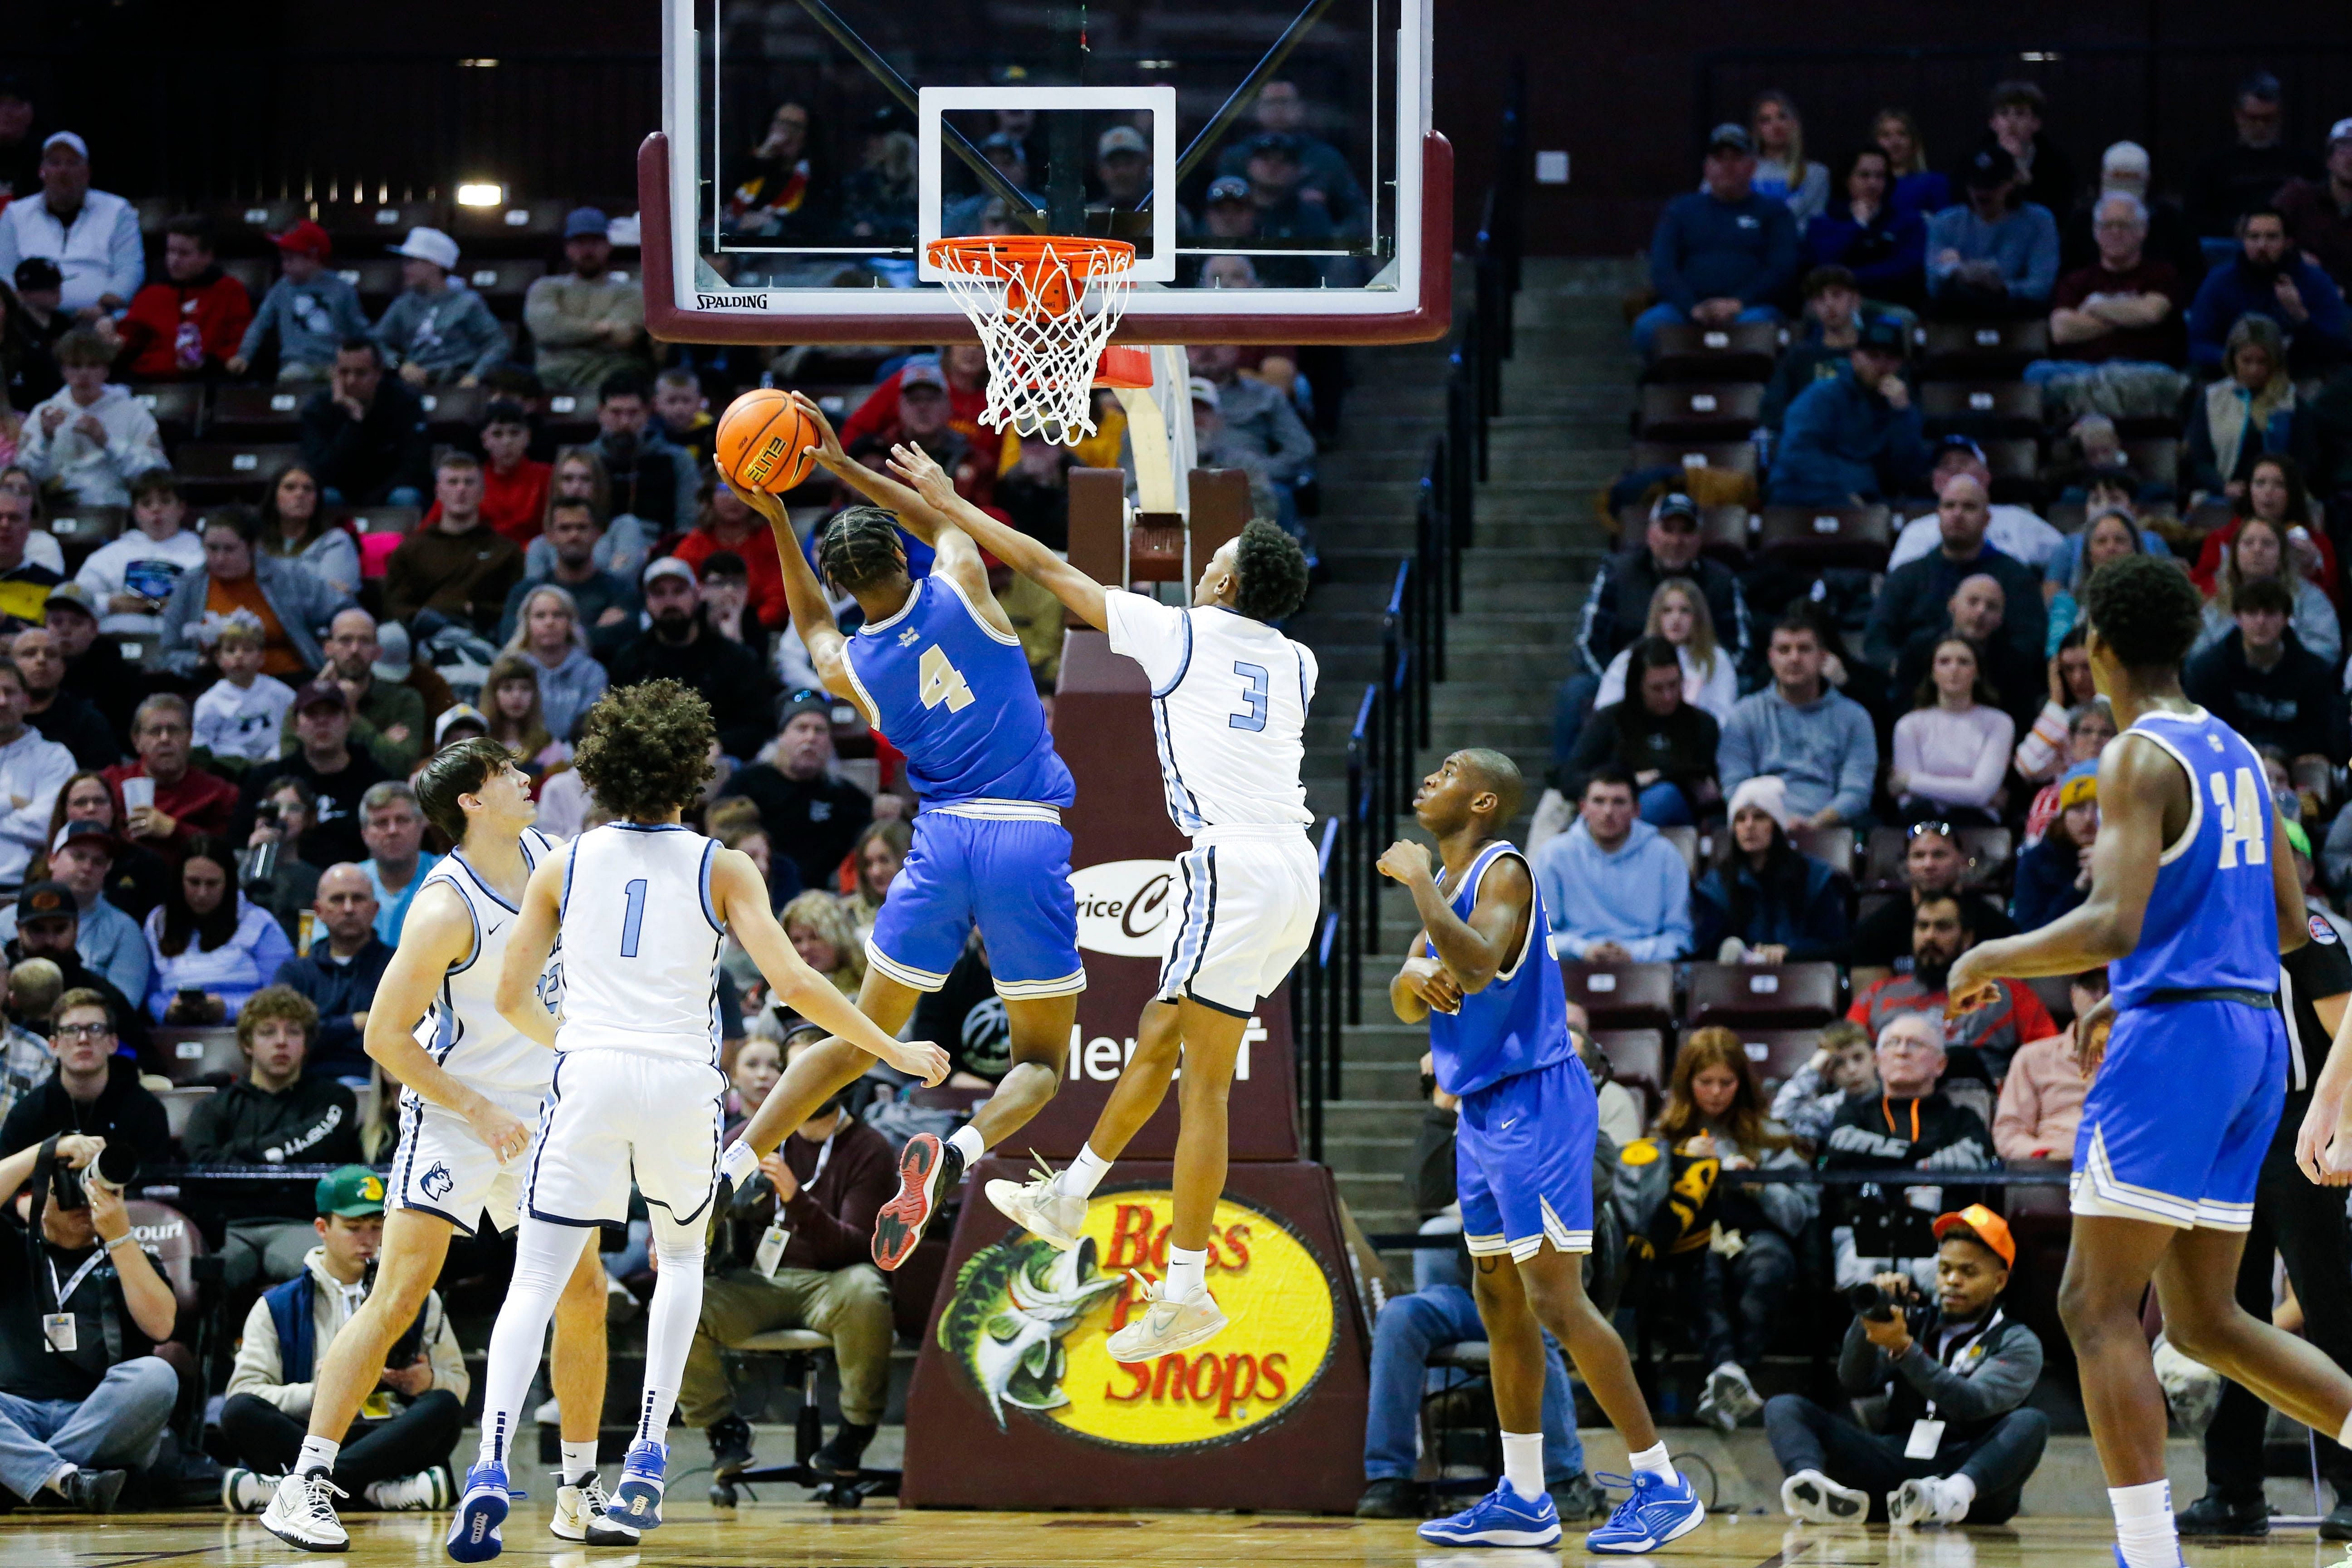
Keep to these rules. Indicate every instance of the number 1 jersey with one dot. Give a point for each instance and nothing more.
(641, 940)
(2212, 916)
(1229, 698)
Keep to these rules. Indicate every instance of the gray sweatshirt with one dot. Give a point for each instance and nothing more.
(451, 333)
(311, 319)
(1825, 750)
(1972, 1382)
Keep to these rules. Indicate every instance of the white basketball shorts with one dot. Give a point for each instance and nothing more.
(442, 1168)
(613, 1116)
(1250, 901)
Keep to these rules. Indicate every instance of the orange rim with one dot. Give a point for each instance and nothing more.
(1030, 264)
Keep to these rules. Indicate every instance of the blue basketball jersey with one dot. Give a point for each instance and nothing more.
(2212, 917)
(1519, 1024)
(956, 696)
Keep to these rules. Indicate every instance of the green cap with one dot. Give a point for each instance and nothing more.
(2298, 838)
(354, 1191)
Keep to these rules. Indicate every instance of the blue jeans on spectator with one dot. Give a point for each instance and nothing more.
(1647, 324)
(1410, 1329)
(1662, 806)
(118, 1427)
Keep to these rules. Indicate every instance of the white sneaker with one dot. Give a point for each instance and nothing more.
(549, 1412)
(242, 1491)
(1729, 1397)
(1166, 1326)
(1935, 1500)
(420, 1493)
(1052, 1218)
(581, 1515)
(1815, 1498)
(302, 1512)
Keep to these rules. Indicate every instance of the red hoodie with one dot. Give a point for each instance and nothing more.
(173, 330)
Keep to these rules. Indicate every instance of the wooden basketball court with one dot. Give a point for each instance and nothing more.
(761, 1535)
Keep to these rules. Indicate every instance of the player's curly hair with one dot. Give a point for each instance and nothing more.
(860, 547)
(2144, 607)
(644, 749)
(1272, 570)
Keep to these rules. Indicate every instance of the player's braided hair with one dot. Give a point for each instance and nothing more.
(644, 749)
(1272, 572)
(860, 547)
(2144, 607)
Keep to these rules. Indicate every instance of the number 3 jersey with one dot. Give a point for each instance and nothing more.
(1229, 698)
(2212, 916)
(641, 939)
(956, 696)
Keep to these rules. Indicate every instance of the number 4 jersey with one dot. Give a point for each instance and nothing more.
(2212, 917)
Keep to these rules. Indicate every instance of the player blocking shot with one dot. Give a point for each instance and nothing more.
(472, 1087)
(1482, 976)
(644, 904)
(2192, 904)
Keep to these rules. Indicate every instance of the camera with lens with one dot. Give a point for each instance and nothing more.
(1869, 1301)
(116, 1167)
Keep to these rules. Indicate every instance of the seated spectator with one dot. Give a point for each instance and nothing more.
(86, 1398)
(91, 438)
(782, 188)
(1854, 436)
(647, 481)
(93, 1090)
(1818, 742)
(1881, 243)
(26, 1059)
(394, 828)
(1844, 1068)
(458, 566)
(136, 883)
(295, 527)
(680, 413)
(81, 858)
(363, 436)
(291, 884)
(811, 813)
(1919, 189)
(2261, 680)
(590, 321)
(1912, 1123)
(2274, 491)
(964, 367)
(727, 610)
(435, 332)
(32, 771)
(311, 311)
(2084, 732)
(2261, 553)
(2319, 210)
(1616, 891)
(1279, 193)
(1679, 614)
(289, 603)
(1917, 596)
(511, 703)
(1007, 155)
(2247, 414)
(728, 525)
(56, 714)
(2012, 530)
(1722, 255)
(408, 1425)
(132, 576)
(514, 485)
(2268, 278)
(207, 948)
(24, 583)
(190, 324)
(2244, 176)
(1667, 745)
(825, 934)
(241, 717)
(2125, 171)
(337, 976)
(96, 265)
(1324, 177)
(876, 861)
(676, 645)
(1618, 606)
(1976, 614)
(1997, 253)
(758, 1064)
(828, 1179)
(548, 632)
(2042, 1099)
(338, 773)
(2013, 120)
(1256, 416)
(604, 604)
(2124, 310)
(387, 716)
(1956, 1368)
(1951, 751)
(1943, 927)
(1762, 902)
(1822, 347)
(2054, 873)
(2110, 535)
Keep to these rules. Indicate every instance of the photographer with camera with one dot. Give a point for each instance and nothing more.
(83, 1398)
(1954, 1370)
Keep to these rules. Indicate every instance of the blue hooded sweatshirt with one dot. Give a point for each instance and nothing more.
(1638, 897)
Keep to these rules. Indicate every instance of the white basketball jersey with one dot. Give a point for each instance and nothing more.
(464, 1031)
(641, 941)
(1229, 699)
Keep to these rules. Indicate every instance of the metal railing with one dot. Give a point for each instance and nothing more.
(1393, 716)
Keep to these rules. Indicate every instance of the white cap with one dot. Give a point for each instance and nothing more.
(2125, 155)
(1205, 391)
(69, 139)
(2340, 131)
(430, 245)
(454, 715)
(1767, 793)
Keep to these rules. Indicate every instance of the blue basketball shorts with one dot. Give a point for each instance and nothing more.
(2176, 1127)
(1008, 874)
(1523, 1163)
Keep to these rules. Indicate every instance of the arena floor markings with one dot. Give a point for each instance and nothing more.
(760, 1535)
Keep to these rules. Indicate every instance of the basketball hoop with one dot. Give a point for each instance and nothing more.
(1044, 305)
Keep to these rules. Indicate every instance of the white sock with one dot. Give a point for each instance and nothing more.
(967, 1142)
(317, 1453)
(57, 1483)
(1964, 1487)
(2144, 1527)
(1652, 1461)
(1082, 1176)
(579, 1460)
(1523, 1464)
(1187, 1274)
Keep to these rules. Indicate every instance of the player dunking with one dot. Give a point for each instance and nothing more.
(937, 668)
(1229, 698)
(1482, 974)
(470, 1100)
(644, 905)
(2191, 903)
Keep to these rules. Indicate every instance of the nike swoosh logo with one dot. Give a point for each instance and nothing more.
(1506, 1126)
(494, 930)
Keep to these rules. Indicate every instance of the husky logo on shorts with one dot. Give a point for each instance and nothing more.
(436, 1182)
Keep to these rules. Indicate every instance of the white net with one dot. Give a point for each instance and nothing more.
(1044, 307)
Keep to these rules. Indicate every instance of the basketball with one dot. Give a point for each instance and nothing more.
(762, 442)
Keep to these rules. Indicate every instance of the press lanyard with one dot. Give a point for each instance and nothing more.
(823, 1153)
(61, 1293)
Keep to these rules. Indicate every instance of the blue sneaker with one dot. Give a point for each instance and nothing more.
(1657, 1512)
(1501, 1517)
(474, 1533)
(636, 1501)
